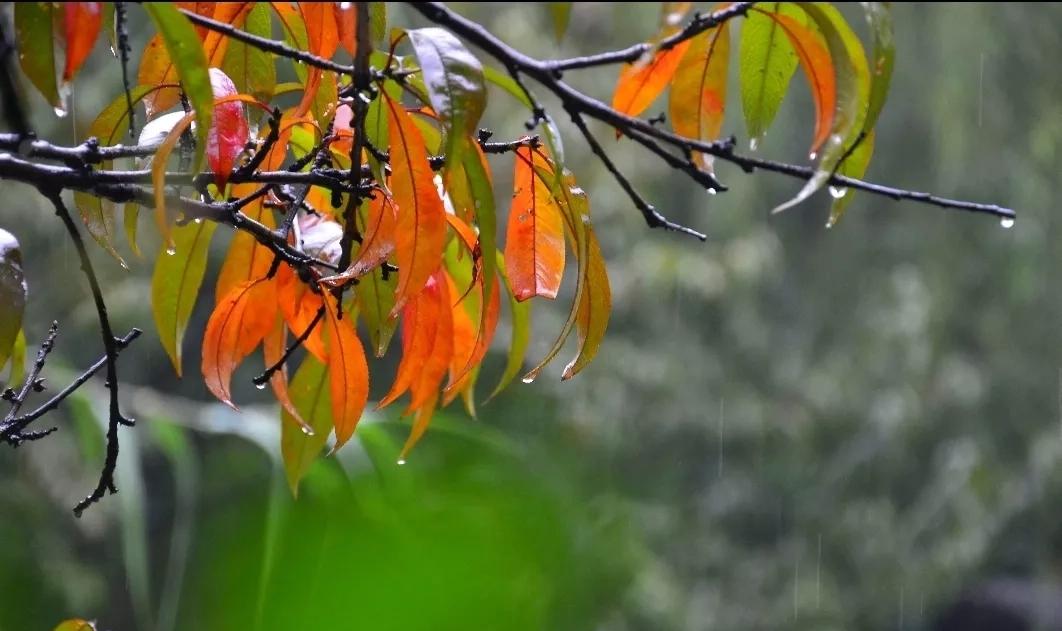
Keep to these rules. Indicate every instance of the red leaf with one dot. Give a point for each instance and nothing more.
(238, 324)
(426, 387)
(534, 240)
(346, 25)
(81, 25)
(641, 82)
(348, 373)
(229, 132)
(421, 228)
(698, 93)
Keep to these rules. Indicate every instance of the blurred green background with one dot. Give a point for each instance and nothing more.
(787, 427)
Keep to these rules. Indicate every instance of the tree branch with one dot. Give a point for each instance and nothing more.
(545, 73)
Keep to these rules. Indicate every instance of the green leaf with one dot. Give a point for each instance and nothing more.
(309, 392)
(521, 335)
(879, 17)
(376, 298)
(561, 13)
(767, 62)
(75, 624)
(377, 21)
(18, 360)
(486, 217)
(13, 292)
(853, 91)
(130, 220)
(454, 80)
(855, 165)
(186, 54)
(253, 70)
(175, 284)
(36, 53)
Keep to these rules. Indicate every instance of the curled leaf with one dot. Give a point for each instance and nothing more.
(698, 92)
(767, 62)
(238, 324)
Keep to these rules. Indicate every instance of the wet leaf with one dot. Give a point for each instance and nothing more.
(595, 307)
(158, 177)
(377, 243)
(299, 306)
(534, 241)
(13, 292)
(818, 65)
(421, 218)
(310, 395)
(767, 62)
(641, 82)
(246, 258)
(236, 327)
(698, 91)
(520, 319)
(273, 347)
(456, 89)
(321, 31)
(81, 26)
(348, 372)
(879, 17)
(253, 70)
(175, 285)
(229, 132)
(36, 54)
(855, 165)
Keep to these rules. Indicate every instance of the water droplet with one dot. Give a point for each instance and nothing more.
(401, 461)
(198, 220)
(260, 386)
(171, 250)
(712, 191)
(344, 5)
(754, 143)
(306, 429)
(114, 51)
(829, 223)
(1007, 222)
(529, 378)
(837, 192)
(60, 112)
(812, 155)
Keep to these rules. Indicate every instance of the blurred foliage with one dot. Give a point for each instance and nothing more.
(786, 428)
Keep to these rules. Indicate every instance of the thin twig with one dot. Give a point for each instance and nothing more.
(9, 431)
(267, 374)
(122, 31)
(110, 345)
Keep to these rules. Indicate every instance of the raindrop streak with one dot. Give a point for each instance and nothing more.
(796, 589)
(1007, 222)
(818, 575)
(837, 192)
(899, 623)
(721, 409)
(981, 93)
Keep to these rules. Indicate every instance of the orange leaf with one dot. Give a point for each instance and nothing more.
(698, 92)
(299, 305)
(228, 131)
(595, 307)
(238, 324)
(471, 340)
(426, 386)
(641, 82)
(376, 245)
(534, 239)
(81, 25)
(321, 28)
(421, 228)
(815, 59)
(348, 373)
(346, 17)
(420, 425)
(419, 319)
(273, 349)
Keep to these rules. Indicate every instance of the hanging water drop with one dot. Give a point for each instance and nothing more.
(754, 143)
(813, 155)
(837, 192)
(260, 386)
(198, 220)
(1007, 222)
(171, 250)
(306, 429)
(401, 461)
(344, 5)
(60, 112)
(114, 51)
(712, 191)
